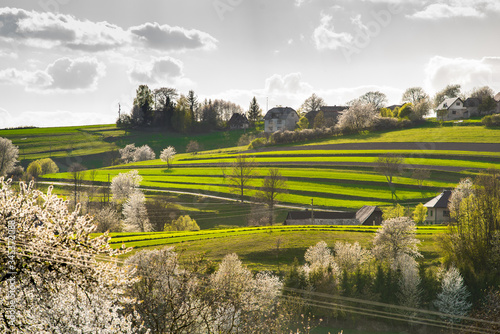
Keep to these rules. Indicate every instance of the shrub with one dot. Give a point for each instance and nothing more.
(192, 146)
(258, 142)
(491, 121)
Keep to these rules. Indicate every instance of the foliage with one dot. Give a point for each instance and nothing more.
(303, 123)
(8, 156)
(168, 155)
(358, 117)
(491, 121)
(131, 153)
(319, 120)
(350, 257)
(464, 189)
(135, 213)
(420, 213)
(254, 111)
(395, 239)
(453, 297)
(125, 184)
(34, 169)
(448, 92)
(288, 137)
(471, 242)
(405, 111)
(257, 143)
(59, 286)
(183, 223)
(169, 295)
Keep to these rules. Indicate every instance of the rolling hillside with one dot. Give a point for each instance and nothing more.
(337, 173)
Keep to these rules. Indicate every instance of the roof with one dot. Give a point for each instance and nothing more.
(440, 201)
(238, 119)
(327, 109)
(472, 102)
(446, 104)
(296, 215)
(497, 97)
(394, 106)
(279, 113)
(365, 212)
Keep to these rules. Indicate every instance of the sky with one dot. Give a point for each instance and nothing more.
(73, 62)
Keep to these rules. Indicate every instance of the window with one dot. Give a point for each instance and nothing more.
(454, 112)
(279, 121)
(458, 103)
(430, 213)
(446, 213)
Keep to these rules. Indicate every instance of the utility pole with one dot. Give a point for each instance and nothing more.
(312, 211)
(119, 110)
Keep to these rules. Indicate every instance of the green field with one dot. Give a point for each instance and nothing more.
(334, 179)
(257, 246)
(96, 146)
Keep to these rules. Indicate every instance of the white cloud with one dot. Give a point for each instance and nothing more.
(441, 71)
(325, 37)
(46, 30)
(165, 37)
(65, 74)
(444, 11)
(158, 70)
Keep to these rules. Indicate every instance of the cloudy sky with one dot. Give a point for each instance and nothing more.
(65, 62)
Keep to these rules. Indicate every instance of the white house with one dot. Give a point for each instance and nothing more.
(451, 109)
(280, 119)
(437, 209)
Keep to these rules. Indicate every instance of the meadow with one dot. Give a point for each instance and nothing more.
(269, 247)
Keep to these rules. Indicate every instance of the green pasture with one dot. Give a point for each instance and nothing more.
(270, 247)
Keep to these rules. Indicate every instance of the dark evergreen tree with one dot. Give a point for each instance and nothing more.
(254, 111)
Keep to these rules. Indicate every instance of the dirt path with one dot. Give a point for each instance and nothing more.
(478, 147)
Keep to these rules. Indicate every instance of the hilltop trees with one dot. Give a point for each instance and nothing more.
(8, 156)
(254, 111)
(447, 92)
(358, 117)
(312, 104)
(376, 99)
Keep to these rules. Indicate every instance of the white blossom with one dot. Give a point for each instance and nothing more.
(168, 155)
(125, 184)
(136, 215)
(144, 153)
(8, 156)
(350, 257)
(63, 280)
(453, 297)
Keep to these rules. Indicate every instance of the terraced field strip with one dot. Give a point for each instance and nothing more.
(153, 239)
(57, 142)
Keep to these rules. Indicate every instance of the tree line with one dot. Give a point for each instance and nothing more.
(165, 108)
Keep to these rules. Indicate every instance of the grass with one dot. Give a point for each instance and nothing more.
(257, 246)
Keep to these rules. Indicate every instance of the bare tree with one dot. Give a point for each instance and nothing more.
(376, 99)
(77, 173)
(414, 95)
(192, 147)
(313, 104)
(389, 165)
(8, 156)
(420, 175)
(273, 187)
(241, 174)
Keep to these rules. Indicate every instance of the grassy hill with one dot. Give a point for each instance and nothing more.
(96, 146)
(337, 173)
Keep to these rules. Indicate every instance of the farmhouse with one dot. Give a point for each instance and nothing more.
(331, 115)
(280, 119)
(238, 121)
(437, 209)
(472, 105)
(452, 109)
(497, 99)
(367, 215)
